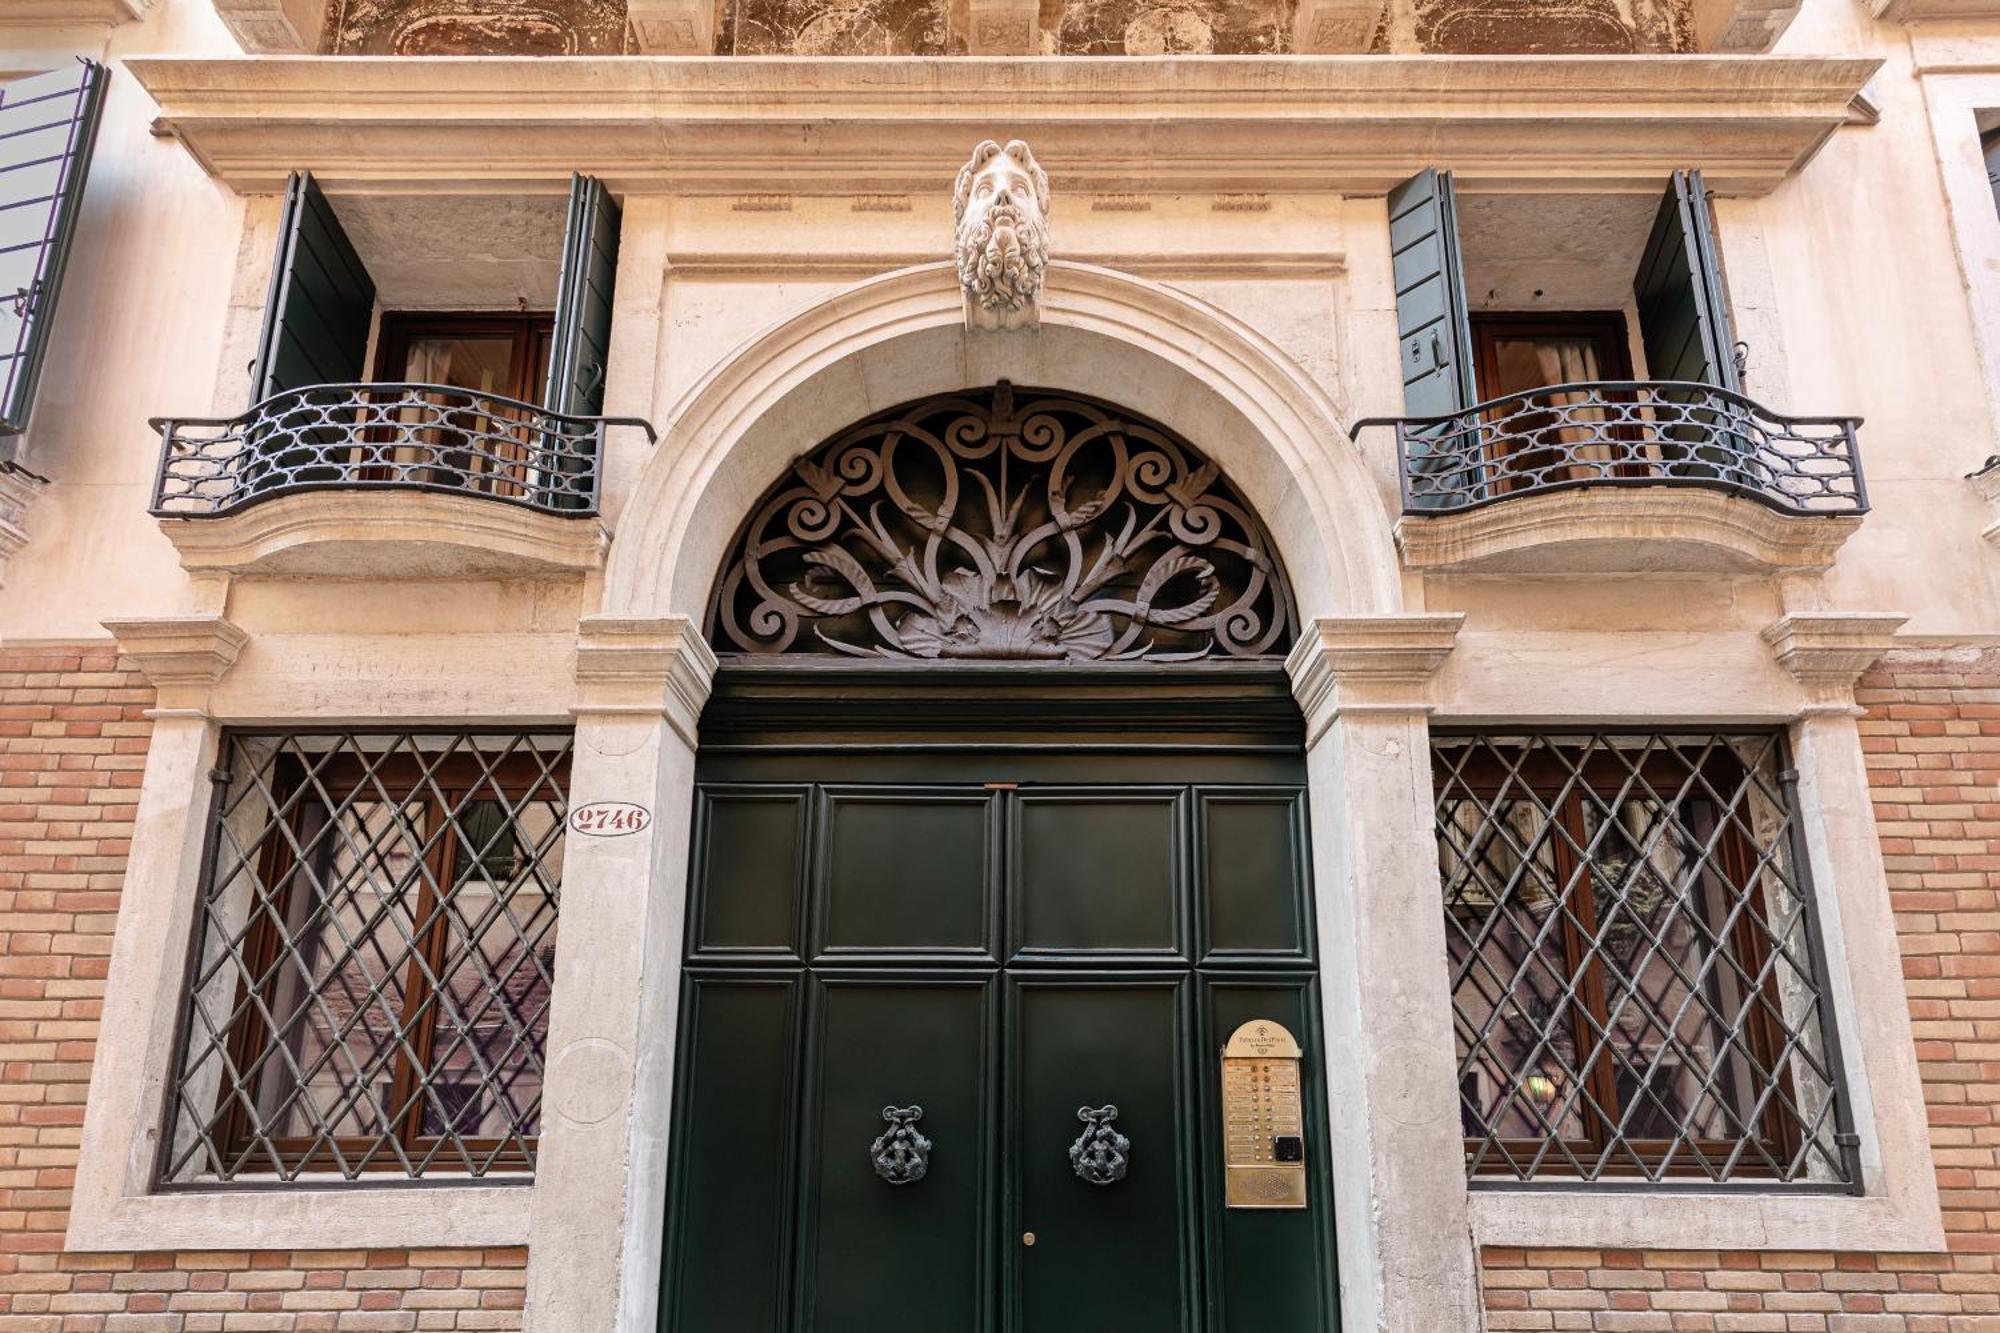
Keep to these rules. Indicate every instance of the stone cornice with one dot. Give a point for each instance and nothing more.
(181, 656)
(846, 125)
(653, 668)
(1828, 650)
(1372, 663)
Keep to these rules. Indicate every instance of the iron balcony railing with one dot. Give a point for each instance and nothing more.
(409, 437)
(1627, 433)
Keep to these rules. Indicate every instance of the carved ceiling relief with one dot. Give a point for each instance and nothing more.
(1065, 27)
(1004, 524)
(475, 27)
(1510, 27)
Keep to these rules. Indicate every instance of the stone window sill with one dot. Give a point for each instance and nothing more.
(337, 1217)
(1719, 1220)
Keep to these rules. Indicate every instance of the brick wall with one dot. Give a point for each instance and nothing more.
(72, 747)
(1932, 737)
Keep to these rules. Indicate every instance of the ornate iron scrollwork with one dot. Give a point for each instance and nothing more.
(1100, 1154)
(901, 1153)
(993, 525)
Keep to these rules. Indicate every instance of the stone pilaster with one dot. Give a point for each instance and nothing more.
(600, 1192)
(1364, 684)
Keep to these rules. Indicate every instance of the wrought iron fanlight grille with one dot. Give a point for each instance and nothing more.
(1004, 524)
(1637, 983)
(370, 981)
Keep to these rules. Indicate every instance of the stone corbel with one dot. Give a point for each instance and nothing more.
(1368, 664)
(1986, 482)
(1336, 27)
(653, 667)
(672, 27)
(275, 27)
(1001, 27)
(1828, 650)
(17, 492)
(1741, 27)
(181, 656)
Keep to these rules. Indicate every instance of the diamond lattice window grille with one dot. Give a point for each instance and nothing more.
(369, 987)
(1637, 982)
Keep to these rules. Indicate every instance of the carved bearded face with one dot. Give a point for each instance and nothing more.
(1001, 204)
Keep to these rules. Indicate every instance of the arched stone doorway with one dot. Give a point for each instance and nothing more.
(1358, 672)
(1000, 833)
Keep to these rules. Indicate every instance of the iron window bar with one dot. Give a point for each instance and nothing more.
(1638, 982)
(406, 437)
(369, 980)
(1627, 433)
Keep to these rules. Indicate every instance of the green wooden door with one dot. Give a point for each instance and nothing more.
(1004, 939)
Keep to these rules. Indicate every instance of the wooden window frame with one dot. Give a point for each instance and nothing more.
(1606, 327)
(532, 332)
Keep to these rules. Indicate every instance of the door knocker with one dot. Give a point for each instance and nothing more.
(1099, 1154)
(901, 1153)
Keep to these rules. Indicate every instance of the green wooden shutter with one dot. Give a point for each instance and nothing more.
(48, 125)
(582, 341)
(1683, 319)
(321, 303)
(1433, 331)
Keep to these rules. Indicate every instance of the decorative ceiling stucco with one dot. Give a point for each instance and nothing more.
(1067, 27)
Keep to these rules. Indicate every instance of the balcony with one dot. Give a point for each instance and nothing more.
(1626, 476)
(415, 480)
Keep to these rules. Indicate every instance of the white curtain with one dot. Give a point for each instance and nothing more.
(1571, 363)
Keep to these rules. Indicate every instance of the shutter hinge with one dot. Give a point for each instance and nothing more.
(1739, 356)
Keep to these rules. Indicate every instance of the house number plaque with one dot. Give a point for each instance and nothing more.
(1262, 1118)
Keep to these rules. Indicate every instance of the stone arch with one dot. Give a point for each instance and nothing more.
(1197, 371)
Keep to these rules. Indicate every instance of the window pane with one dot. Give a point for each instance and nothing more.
(375, 951)
(337, 994)
(1505, 931)
(493, 1003)
(1673, 985)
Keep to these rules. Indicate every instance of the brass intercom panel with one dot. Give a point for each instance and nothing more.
(1263, 1118)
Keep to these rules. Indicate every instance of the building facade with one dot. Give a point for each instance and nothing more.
(788, 665)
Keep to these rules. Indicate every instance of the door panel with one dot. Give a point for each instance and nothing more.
(734, 1147)
(912, 1256)
(748, 872)
(1001, 958)
(1099, 870)
(908, 869)
(1107, 1258)
(1252, 856)
(1266, 1269)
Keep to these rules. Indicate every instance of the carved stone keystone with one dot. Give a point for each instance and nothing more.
(1000, 206)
